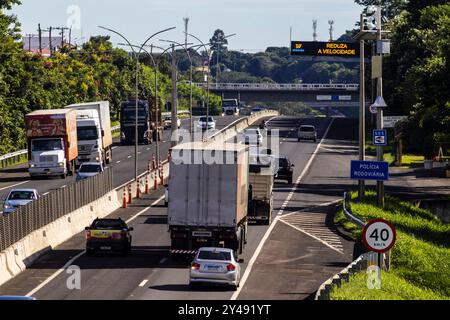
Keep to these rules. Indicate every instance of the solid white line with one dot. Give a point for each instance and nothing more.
(129, 157)
(253, 259)
(71, 261)
(118, 161)
(17, 184)
(306, 168)
(313, 236)
(163, 260)
(143, 283)
(113, 148)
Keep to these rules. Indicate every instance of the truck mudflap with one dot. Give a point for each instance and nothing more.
(183, 252)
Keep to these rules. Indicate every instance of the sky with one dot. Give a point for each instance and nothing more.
(257, 24)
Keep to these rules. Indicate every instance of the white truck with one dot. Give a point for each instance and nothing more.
(262, 170)
(208, 192)
(230, 107)
(93, 131)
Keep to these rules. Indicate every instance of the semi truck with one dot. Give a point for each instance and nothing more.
(52, 142)
(230, 107)
(93, 131)
(262, 171)
(208, 199)
(148, 131)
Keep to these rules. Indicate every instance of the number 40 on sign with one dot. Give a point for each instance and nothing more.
(379, 235)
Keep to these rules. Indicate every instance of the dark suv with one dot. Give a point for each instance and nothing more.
(285, 170)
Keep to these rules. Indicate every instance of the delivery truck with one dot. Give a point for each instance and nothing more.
(208, 192)
(93, 131)
(52, 142)
(262, 171)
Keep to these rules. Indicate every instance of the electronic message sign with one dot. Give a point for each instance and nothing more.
(327, 49)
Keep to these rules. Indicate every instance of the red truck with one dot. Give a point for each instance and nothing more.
(52, 142)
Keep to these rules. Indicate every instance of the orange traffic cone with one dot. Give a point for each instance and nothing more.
(129, 193)
(124, 197)
(161, 174)
(146, 184)
(138, 189)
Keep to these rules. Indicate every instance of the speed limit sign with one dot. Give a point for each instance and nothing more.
(379, 235)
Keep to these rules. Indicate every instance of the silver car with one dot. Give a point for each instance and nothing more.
(307, 132)
(215, 266)
(89, 169)
(17, 198)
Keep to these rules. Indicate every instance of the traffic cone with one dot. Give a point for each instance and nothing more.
(129, 193)
(155, 180)
(149, 166)
(124, 197)
(146, 184)
(138, 188)
(161, 174)
(169, 156)
(154, 162)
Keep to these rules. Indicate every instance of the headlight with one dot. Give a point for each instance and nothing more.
(61, 164)
(7, 206)
(32, 165)
(97, 159)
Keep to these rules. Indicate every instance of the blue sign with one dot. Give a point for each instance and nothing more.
(380, 137)
(369, 170)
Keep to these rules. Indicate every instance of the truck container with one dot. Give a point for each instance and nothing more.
(262, 170)
(208, 198)
(93, 131)
(52, 142)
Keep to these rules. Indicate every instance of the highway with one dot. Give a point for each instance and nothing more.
(123, 161)
(287, 260)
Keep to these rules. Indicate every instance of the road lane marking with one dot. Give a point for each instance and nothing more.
(129, 157)
(14, 185)
(269, 230)
(118, 161)
(71, 261)
(305, 169)
(113, 148)
(163, 260)
(143, 283)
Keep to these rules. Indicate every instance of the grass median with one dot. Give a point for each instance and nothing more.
(420, 267)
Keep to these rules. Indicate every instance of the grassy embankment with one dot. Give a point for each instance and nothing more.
(420, 267)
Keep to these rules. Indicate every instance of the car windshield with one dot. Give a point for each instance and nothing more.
(87, 133)
(46, 145)
(89, 168)
(282, 162)
(21, 195)
(108, 225)
(214, 255)
(203, 119)
(307, 129)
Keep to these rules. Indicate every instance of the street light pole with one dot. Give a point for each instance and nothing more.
(136, 88)
(362, 103)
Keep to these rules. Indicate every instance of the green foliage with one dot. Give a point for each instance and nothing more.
(420, 257)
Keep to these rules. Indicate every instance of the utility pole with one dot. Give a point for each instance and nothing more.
(380, 184)
(186, 24)
(40, 38)
(331, 29)
(174, 100)
(50, 39)
(314, 30)
(62, 34)
(362, 106)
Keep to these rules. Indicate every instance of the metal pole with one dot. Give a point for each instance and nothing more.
(136, 121)
(380, 184)
(362, 129)
(174, 100)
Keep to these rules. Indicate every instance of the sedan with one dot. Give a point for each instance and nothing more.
(206, 125)
(215, 266)
(307, 133)
(89, 169)
(17, 198)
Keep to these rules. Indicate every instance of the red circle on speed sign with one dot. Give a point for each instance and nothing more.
(379, 235)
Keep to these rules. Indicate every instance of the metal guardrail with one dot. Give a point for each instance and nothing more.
(348, 211)
(47, 209)
(15, 157)
(279, 86)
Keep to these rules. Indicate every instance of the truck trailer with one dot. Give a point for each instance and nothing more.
(262, 170)
(208, 197)
(93, 131)
(52, 142)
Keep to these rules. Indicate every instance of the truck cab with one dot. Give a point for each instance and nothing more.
(89, 137)
(47, 157)
(230, 107)
(128, 122)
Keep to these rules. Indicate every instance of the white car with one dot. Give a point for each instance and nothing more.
(215, 266)
(206, 125)
(168, 122)
(17, 198)
(89, 169)
(253, 137)
(307, 132)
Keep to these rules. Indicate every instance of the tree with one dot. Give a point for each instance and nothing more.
(218, 41)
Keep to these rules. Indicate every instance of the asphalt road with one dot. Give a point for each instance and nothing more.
(123, 164)
(287, 260)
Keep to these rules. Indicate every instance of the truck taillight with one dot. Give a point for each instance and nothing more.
(231, 267)
(195, 266)
(88, 234)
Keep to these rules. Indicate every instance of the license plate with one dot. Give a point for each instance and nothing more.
(105, 248)
(213, 268)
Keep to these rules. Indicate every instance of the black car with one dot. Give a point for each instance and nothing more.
(285, 170)
(108, 235)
